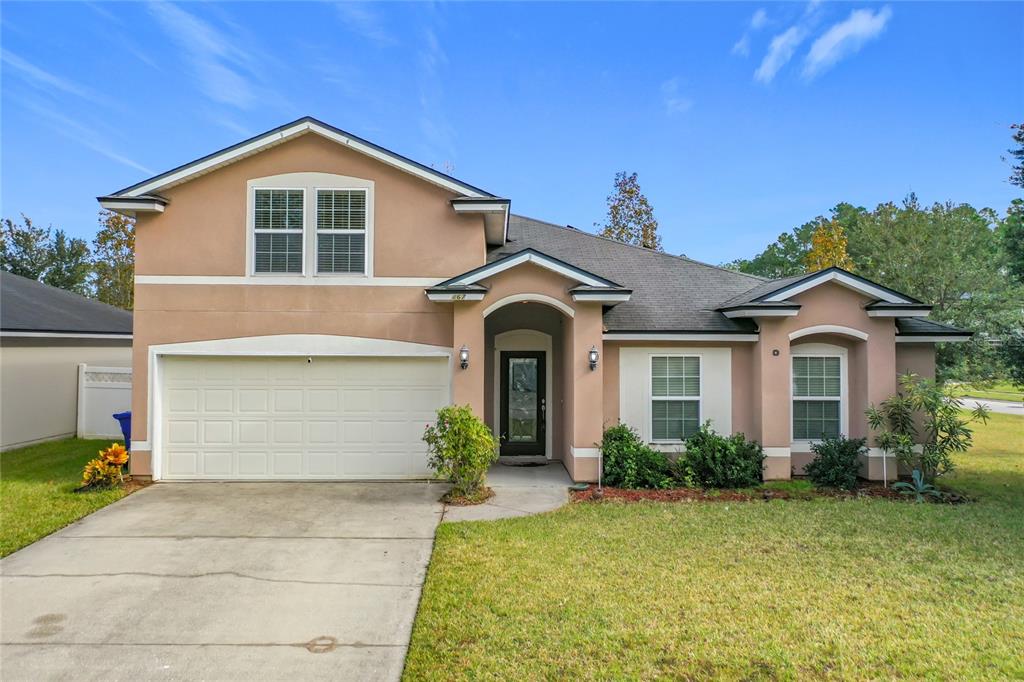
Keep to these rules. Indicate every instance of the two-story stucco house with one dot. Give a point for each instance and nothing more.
(306, 300)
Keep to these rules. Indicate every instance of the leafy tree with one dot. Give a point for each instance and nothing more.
(1011, 352)
(946, 430)
(1017, 155)
(114, 260)
(1011, 236)
(69, 267)
(24, 248)
(45, 255)
(787, 256)
(828, 247)
(630, 216)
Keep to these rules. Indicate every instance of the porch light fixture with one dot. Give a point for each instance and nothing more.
(593, 356)
(464, 357)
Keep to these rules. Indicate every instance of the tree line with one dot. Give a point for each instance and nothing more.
(105, 271)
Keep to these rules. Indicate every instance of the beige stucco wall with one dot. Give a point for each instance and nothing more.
(203, 230)
(39, 385)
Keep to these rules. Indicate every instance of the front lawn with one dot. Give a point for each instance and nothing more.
(753, 590)
(36, 486)
(1000, 390)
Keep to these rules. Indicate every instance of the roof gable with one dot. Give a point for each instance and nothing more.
(530, 255)
(289, 131)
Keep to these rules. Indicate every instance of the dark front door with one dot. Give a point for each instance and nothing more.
(523, 402)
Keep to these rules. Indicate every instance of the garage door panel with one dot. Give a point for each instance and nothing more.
(266, 418)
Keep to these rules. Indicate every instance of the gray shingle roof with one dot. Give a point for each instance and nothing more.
(911, 326)
(670, 293)
(30, 306)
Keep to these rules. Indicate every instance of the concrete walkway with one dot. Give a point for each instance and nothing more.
(518, 491)
(224, 581)
(999, 406)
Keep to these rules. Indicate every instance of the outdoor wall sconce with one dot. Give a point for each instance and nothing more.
(464, 357)
(593, 356)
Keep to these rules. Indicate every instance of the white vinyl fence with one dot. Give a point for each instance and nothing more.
(102, 391)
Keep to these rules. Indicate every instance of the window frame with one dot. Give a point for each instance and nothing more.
(307, 181)
(368, 195)
(253, 231)
(820, 350)
(699, 398)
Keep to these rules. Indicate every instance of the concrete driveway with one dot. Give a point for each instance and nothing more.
(219, 581)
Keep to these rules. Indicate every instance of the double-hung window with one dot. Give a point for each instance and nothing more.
(278, 226)
(341, 231)
(675, 397)
(817, 397)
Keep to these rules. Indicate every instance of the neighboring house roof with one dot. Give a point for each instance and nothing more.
(306, 124)
(669, 293)
(28, 307)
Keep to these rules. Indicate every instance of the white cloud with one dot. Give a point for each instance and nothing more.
(759, 19)
(675, 102)
(218, 62)
(742, 46)
(757, 22)
(44, 80)
(780, 51)
(845, 38)
(365, 22)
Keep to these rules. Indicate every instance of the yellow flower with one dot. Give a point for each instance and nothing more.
(115, 454)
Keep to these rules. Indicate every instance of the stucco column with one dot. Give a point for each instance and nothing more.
(468, 328)
(772, 397)
(588, 391)
(881, 384)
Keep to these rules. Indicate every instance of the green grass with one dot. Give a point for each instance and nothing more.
(36, 486)
(999, 390)
(820, 589)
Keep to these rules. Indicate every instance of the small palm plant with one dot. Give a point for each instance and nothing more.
(918, 488)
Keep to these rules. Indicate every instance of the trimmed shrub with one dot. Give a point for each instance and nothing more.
(630, 463)
(715, 461)
(461, 449)
(836, 462)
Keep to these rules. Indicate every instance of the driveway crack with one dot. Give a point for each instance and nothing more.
(209, 574)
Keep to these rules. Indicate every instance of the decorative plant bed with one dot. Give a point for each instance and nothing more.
(751, 495)
(482, 496)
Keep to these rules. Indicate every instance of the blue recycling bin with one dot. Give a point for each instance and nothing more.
(125, 420)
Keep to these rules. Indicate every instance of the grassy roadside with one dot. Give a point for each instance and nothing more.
(1000, 390)
(36, 484)
(862, 589)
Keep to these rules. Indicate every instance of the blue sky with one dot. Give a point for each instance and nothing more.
(742, 120)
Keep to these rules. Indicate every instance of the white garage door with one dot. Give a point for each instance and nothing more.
(288, 418)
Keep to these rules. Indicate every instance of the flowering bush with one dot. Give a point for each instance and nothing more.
(461, 449)
(106, 470)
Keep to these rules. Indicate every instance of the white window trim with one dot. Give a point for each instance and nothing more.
(649, 421)
(829, 351)
(252, 231)
(367, 261)
(309, 183)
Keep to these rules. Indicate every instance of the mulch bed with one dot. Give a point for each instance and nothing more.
(700, 495)
(463, 501)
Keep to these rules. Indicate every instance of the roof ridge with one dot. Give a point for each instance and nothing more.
(642, 248)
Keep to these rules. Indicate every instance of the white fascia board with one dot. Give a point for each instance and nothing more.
(762, 312)
(654, 336)
(599, 297)
(449, 297)
(480, 206)
(144, 205)
(536, 259)
(283, 135)
(932, 339)
(839, 278)
(897, 312)
(58, 335)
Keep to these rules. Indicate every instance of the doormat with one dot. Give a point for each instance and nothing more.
(525, 464)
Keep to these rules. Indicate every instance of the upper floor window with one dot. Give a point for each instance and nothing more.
(675, 397)
(817, 396)
(278, 226)
(341, 231)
